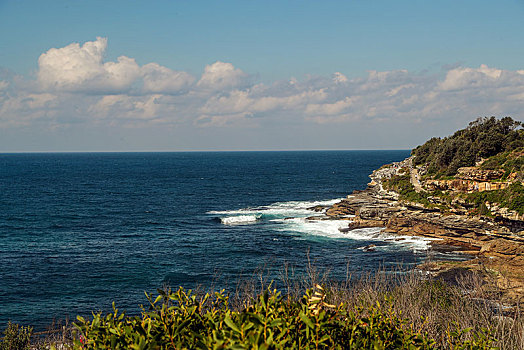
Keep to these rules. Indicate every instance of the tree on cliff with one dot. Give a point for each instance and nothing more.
(483, 138)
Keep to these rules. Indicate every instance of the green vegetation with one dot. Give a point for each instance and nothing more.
(498, 143)
(380, 311)
(402, 185)
(180, 320)
(511, 197)
(483, 138)
(16, 338)
(510, 162)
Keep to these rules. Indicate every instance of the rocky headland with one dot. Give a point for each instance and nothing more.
(496, 245)
(478, 209)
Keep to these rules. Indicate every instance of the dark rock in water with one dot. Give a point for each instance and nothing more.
(319, 208)
(370, 248)
(366, 224)
(316, 218)
(395, 239)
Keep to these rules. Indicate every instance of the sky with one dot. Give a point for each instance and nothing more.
(253, 75)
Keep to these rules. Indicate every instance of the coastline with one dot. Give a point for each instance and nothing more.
(496, 247)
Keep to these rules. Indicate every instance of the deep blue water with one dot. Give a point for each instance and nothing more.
(78, 231)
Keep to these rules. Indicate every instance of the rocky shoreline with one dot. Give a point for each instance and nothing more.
(496, 245)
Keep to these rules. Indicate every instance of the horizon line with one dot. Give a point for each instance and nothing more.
(209, 151)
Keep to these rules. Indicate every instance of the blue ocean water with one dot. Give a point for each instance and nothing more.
(78, 231)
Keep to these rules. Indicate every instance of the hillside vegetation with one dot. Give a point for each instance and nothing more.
(477, 167)
(483, 138)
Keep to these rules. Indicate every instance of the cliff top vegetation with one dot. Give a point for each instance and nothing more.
(483, 138)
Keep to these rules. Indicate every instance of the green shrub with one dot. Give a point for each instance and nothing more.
(180, 320)
(401, 184)
(15, 337)
(511, 197)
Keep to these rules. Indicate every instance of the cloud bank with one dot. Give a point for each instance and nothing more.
(75, 85)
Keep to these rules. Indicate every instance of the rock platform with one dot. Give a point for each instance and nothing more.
(497, 246)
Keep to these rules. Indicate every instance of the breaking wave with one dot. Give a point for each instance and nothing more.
(239, 220)
(303, 218)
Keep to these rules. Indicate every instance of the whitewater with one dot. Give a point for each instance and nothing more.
(299, 217)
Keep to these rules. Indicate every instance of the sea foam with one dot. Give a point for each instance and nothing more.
(292, 217)
(239, 220)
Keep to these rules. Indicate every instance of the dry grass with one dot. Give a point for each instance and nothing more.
(429, 305)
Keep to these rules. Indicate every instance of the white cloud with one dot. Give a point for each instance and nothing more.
(3, 85)
(225, 120)
(127, 110)
(239, 101)
(75, 85)
(329, 109)
(25, 108)
(484, 76)
(80, 68)
(339, 78)
(76, 68)
(159, 79)
(221, 75)
(397, 89)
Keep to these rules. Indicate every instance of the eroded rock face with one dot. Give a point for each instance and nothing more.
(505, 213)
(476, 174)
(377, 211)
(498, 243)
(463, 185)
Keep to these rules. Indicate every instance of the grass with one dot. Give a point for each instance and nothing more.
(445, 315)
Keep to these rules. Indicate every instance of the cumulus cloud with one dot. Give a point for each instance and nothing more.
(76, 68)
(75, 84)
(80, 68)
(118, 109)
(24, 109)
(222, 75)
(329, 109)
(257, 102)
(339, 78)
(482, 77)
(159, 79)
(3, 85)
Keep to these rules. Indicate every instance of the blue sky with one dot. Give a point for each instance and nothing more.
(214, 75)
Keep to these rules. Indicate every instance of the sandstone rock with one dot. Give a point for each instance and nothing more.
(476, 174)
(319, 208)
(497, 243)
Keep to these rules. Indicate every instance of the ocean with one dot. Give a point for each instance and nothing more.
(81, 230)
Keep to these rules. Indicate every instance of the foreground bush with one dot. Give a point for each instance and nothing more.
(384, 310)
(15, 337)
(180, 320)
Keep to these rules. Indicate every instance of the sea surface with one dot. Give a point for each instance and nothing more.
(81, 230)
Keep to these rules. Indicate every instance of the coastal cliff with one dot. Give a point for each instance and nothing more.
(476, 208)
